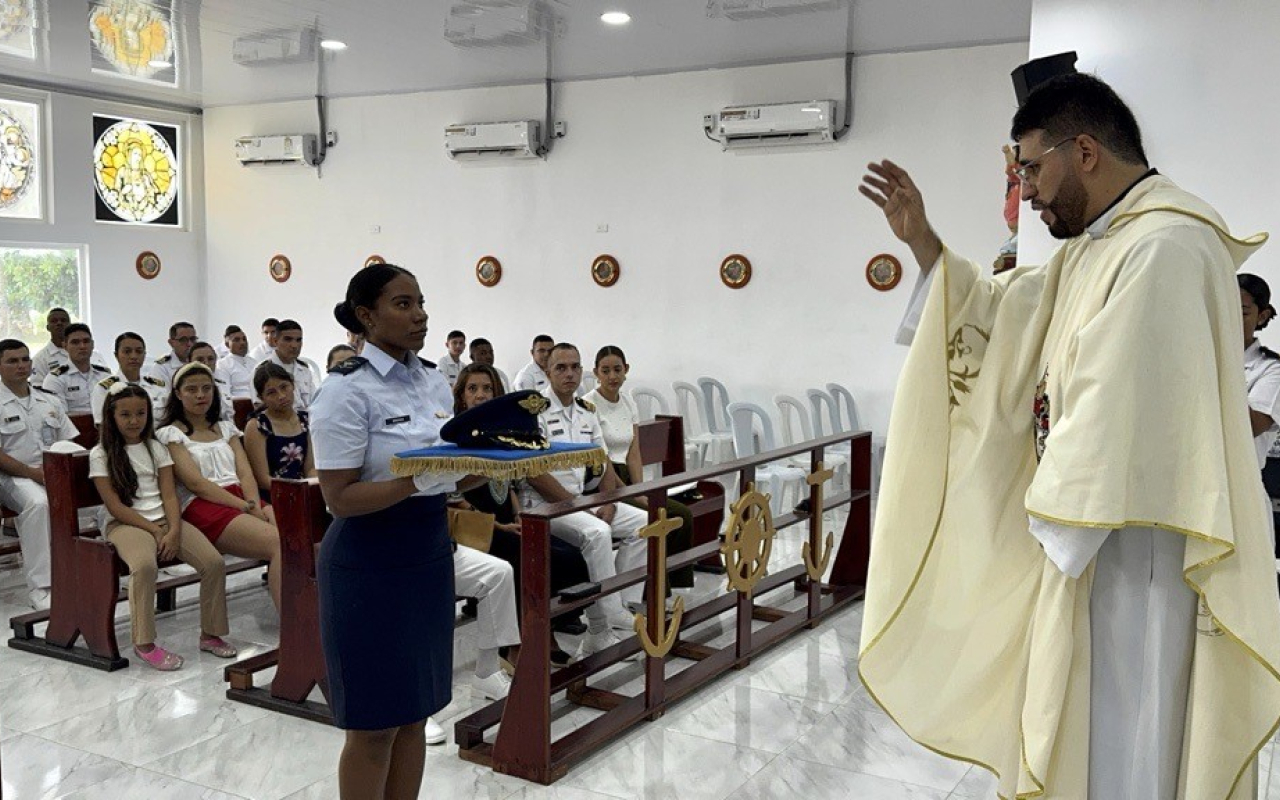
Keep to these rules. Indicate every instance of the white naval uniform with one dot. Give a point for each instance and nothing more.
(73, 387)
(584, 530)
(492, 582)
(532, 377)
(261, 352)
(28, 427)
(1142, 632)
(449, 368)
(1262, 379)
(49, 356)
(305, 380)
(237, 371)
(164, 367)
(156, 389)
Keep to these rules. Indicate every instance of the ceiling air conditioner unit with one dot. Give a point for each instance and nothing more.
(742, 127)
(293, 148)
(475, 141)
(280, 46)
(741, 10)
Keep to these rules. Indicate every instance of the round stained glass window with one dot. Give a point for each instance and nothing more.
(17, 160)
(134, 171)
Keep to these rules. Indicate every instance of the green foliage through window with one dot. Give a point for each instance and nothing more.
(32, 281)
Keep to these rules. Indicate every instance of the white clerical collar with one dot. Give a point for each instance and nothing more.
(1100, 225)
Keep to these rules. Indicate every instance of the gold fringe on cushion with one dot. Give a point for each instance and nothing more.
(501, 470)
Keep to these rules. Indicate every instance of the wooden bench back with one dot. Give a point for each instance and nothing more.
(242, 408)
(661, 441)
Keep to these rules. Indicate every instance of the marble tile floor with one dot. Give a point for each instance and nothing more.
(795, 723)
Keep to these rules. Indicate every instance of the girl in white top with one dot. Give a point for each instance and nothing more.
(617, 412)
(218, 491)
(133, 474)
(1261, 365)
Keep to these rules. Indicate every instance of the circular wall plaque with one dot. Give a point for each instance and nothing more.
(605, 270)
(280, 268)
(148, 264)
(883, 272)
(374, 259)
(488, 271)
(735, 271)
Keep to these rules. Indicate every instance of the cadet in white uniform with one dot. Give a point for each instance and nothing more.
(73, 382)
(182, 335)
(54, 353)
(451, 362)
(31, 420)
(288, 354)
(481, 352)
(592, 532)
(264, 348)
(204, 353)
(533, 375)
(131, 354)
(236, 367)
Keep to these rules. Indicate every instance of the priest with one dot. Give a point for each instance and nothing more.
(1071, 580)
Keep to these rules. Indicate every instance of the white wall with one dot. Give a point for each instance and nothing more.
(1201, 79)
(118, 299)
(636, 160)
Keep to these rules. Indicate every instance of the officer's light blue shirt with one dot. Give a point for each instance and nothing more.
(361, 419)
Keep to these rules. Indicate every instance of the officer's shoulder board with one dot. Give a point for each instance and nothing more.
(99, 368)
(59, 369)
(426, 363)
(46, 391)
(350, 365)
(107, 383)
(154, 381)
(164, 359)
(587, 404)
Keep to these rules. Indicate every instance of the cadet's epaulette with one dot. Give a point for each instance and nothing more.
(46, 391)
(1267, 352)
(59, 369)
(164, 359)
(587, 404)
(426, 363)
(154, 381)
(107, 383)
(350, 365)
(99, 368)
(219, 380)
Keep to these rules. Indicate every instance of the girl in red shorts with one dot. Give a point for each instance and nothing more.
(216, 486)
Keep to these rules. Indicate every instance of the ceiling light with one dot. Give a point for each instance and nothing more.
(615, 18)
(159, 63)
(333, 44)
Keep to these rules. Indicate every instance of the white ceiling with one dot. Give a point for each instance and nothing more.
(417, 45)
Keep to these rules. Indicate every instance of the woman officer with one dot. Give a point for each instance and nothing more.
(385, 573)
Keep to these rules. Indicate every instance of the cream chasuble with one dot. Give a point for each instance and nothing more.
(1103, 390)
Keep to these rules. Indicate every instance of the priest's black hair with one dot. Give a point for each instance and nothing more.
(1070, 105)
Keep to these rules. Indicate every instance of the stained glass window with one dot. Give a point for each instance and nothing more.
(18, 28)
(134, 39)
(21, 190)
(135, 171)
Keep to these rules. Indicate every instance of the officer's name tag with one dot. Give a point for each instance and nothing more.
(395, 420)
(557, 432)
(12, 419)
(73, 388)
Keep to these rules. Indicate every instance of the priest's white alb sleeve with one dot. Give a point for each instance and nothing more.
(915, 309)
(1068, 547)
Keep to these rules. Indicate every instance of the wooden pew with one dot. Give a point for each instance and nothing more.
(242, 407)
(86, 577)
(88, 437)
(662, 442)
(302, 519)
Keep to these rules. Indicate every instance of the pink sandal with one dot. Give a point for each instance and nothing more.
(160, 658)
(218, 647)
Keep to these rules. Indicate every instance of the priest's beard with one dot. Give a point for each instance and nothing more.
(1068, 208)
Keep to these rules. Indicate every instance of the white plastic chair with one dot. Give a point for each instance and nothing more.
(650, 403)
(715, 404)
(790, 408)
(847, 418)
(713, 447)
(779, 478)
(826, 420)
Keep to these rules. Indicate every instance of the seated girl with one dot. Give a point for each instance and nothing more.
(477, 383)
(277, 438)
(217, 489)
(133, 474)
(618, 418)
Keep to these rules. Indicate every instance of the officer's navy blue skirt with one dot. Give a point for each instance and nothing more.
(386, 614)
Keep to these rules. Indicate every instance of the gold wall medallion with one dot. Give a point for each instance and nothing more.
(147, 264)
(488, 271)
(748, 541)
(279, 268)
(658, 643)
(883, 272)
(605, 270)
(815, 567)
(735, 271)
